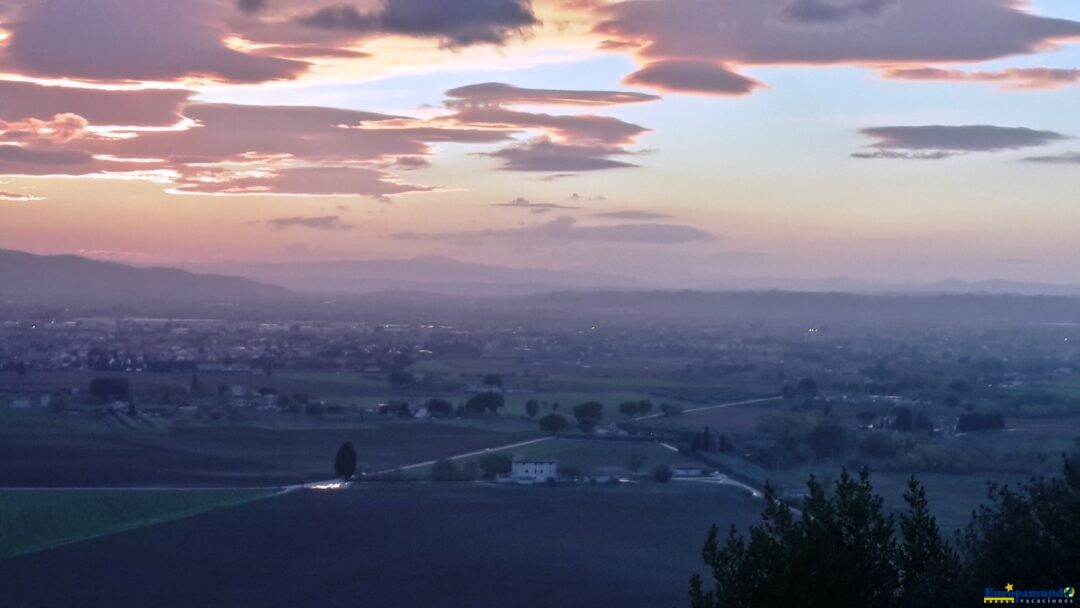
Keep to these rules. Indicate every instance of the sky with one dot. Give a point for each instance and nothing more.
(681, 142)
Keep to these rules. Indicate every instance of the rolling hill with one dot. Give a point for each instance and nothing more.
(63, 279)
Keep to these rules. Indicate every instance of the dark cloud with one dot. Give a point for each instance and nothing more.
(343, 17)
(574, 142)
(898, 155)
(692, 77)
(533, 207)
(939, 141)
(1068, 158)
(835, 11)
(411, 162)
(497, 93)
(326, 222)
(567, 229)
(783, 32)
(452, 23)
(633, 215)
(132, 40)
(542, 154)
(251, 6)
(1010, 78)
(577, 128)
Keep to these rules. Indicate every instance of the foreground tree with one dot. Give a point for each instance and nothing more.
(345, 462)
(840, 553)
(843, 551)
(927, 565)
(1027, 535)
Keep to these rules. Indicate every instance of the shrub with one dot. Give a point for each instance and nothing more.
(980, 422)
(492, 465)
(444, 470)
(669, 409)
(878, 445)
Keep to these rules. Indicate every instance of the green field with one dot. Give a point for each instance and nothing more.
(32, 520)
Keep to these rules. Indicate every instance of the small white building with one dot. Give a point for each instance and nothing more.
(534, 471)
(689, 470)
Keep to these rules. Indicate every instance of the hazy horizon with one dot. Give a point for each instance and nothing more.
(624, 139)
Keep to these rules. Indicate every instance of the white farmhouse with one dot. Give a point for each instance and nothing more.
(534, 471)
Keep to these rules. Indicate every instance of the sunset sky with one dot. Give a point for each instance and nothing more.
(678, 140)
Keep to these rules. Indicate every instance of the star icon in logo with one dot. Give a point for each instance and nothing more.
(1008, 586)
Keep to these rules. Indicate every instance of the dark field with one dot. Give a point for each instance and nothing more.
(399, 545)
(225, 457)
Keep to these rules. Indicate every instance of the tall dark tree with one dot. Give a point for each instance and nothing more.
(532, 408)
(439, 408)
(345, 461)
(927, 565)
(553, 423)
(1027, 535)
(588, 414)
(840, 553)
(485, 402)
(629, 408)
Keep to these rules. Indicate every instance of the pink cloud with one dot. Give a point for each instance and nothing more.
(692, 77)
(238, 149)
(150, 107)
(132, 40)
(1010, 78)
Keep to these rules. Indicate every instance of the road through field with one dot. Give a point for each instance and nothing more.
(500, 448)
(712, 407)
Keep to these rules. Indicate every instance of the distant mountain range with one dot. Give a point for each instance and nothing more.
(70, 280)
(429, 274)
(857, 286)
(66, 279)
(452, 277)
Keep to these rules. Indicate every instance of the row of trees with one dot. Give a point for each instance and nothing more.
(844, 550)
